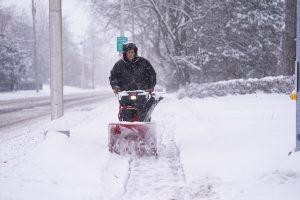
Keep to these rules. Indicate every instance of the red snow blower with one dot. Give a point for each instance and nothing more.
(135, 133)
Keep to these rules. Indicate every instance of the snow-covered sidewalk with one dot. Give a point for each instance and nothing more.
(226, 148)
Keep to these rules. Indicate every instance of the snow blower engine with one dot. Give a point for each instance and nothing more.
(135, 133)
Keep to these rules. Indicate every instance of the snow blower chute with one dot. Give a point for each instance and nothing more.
(134, 133)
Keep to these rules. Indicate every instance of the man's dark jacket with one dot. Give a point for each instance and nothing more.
(136, 75)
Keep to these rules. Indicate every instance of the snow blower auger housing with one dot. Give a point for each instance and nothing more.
(134, 133)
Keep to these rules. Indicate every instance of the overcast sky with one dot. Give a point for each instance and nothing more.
(74, 10)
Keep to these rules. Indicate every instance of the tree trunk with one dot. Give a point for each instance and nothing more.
(289, 36)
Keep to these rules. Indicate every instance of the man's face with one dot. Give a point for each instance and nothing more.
(130, 54)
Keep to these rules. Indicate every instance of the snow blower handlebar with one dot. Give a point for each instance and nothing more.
(133, 95)
(136, 93)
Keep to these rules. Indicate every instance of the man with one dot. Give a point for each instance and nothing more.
(132, 72)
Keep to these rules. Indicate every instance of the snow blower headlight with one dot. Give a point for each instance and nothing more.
(133, 97)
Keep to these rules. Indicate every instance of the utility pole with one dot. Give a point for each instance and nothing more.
(297, 75)
(132, 24)
(56, 59)
(82, 79)
(93, 59)
(122, 18)
(121, 23)
(34, 63)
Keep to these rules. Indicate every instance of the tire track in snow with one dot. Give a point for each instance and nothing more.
(156, 178)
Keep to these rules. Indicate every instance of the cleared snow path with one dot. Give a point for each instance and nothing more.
(157, 178)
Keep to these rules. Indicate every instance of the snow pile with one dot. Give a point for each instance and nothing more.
(279, 84)
(59, 165)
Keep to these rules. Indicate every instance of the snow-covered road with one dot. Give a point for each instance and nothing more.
(229, 148)
(16, 111)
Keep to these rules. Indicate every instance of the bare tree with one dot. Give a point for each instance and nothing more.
(203, 40)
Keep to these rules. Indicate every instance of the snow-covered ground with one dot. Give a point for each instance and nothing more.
(46, 92)
(236, 147)
(227, 148)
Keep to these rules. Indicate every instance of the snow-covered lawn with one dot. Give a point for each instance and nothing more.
(46, 92)
(236, 147)
(231, 148)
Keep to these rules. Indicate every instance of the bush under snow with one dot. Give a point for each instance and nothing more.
(279, 84)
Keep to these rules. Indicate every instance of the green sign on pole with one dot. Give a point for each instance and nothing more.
(120, 41)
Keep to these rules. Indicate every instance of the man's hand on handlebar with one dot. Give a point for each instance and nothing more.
(116, 90)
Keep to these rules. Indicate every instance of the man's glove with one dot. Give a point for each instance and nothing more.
(116, 90)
